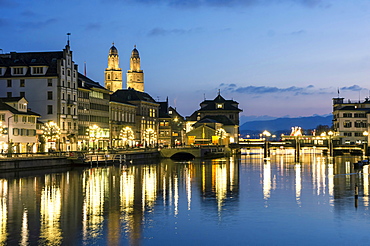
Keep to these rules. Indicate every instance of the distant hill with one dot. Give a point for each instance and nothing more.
(285, 124)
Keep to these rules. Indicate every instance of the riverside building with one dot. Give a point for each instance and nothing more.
(48, 81)
(351, 121)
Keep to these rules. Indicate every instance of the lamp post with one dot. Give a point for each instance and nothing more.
(266, 152)
(330, 133)
(366, 134)
(10, 148)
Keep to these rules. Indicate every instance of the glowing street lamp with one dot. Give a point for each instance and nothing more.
(366, 134)
(330, 134)
(221, 133)
(150, 136)
(126, 134)
(94, 133)
(51, 132)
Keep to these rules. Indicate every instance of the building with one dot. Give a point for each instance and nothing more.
(122, 123)
(135, 76)
(217, 122)
(93, 115)
(113, 73)
(17, 126)
(146, 116)
(351, 121)
(48, 80)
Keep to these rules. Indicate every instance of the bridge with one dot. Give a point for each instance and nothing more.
(196, 152)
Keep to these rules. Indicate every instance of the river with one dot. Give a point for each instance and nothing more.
(242, 200)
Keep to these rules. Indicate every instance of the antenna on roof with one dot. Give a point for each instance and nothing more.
(68, 34)
(338, 92)
(204, 96)
(219, 91)
(85, 68)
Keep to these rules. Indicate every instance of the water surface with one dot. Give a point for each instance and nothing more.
(233, 201)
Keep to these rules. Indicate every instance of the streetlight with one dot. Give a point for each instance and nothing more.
(126, 134)
(94, 133)
(51, 132)
(266, 152)
(10, 148)
(330, 133)
(149, 134)
(366, 134)
(221, 133)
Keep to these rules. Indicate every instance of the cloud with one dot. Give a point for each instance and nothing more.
(38, 24)
(93, 26)
(293, 90)
(164, 32)
(353, 88)
(224, 3)
(298, 33)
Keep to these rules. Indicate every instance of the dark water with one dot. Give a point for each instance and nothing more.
(236, 201)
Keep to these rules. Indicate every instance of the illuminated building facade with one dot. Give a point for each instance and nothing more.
(17, 126)
(350, 121)
(93, 110)
(216, 120)
(113, 73)
(171, 126)
(146, 116)
(135, 76)
(122, 123)
(48, 80)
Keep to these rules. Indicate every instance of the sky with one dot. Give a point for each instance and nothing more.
(275, 57)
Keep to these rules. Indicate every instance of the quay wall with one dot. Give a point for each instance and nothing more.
(12, 164)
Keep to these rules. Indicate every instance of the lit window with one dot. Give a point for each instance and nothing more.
(220, 105)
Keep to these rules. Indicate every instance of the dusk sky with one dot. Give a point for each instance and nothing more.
(275, 57)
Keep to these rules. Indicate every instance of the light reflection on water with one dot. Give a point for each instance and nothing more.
(239, 200)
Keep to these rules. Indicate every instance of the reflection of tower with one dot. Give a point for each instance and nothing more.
(135, 76)
(113, 74)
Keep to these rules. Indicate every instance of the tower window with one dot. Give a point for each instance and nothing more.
(220, 105)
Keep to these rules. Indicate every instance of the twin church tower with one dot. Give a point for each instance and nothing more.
(113, 73)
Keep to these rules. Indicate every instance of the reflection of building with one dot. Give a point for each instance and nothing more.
(146, 116)
(350, 120)
(93, 109)
(113, 73)
(48, 80)
(17, 126)
(135, 76)
(204, 125)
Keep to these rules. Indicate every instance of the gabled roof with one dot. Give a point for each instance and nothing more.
(129, 95)
(212, 105)
(4, 106)
(88, 83)
(48, 59)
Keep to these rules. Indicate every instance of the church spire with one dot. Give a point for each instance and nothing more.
(113, 74)
(135, 76)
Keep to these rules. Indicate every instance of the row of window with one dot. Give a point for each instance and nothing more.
(24, 132)
(357, 124)
(22, 82)
(355, 115)
(356, 134)
(23, 70)
(23, 118)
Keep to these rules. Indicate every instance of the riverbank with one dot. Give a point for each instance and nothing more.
(67, 159)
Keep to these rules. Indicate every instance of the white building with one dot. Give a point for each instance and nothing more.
(48, 80)
(17, 126)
